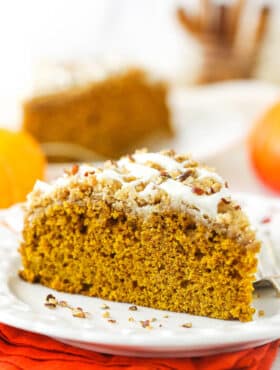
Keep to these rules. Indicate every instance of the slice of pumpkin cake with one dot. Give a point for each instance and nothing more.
(153, 229)
(88, 111)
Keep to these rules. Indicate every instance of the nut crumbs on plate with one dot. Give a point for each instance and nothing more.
(79, 313)
(187, 325)
(112, 321)
(106, 314)
(133, 308)
(51, 302)
(146, 324)
(63, 304)
(105, 307)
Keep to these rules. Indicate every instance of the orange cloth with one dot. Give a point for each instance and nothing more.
(23, 350)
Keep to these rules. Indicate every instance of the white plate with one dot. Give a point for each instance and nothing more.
(22, 306)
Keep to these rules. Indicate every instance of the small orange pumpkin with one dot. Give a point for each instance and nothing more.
(264, 148)
(22, 162)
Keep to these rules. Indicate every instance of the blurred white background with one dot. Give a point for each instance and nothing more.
(145, 31)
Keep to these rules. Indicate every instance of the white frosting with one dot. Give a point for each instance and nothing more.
(164, 161)
(131, 172)
(138, 170)
(42, 186)
(57, 77)
(53, 77)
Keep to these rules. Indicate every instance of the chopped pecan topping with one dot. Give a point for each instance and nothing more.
(140, 187)
(216, 187)
(165, 174)
(89, 173)
(212, 191)
(129, 178)
(169, 152)
(226, 201)
(197, 190)
(181, 158)
(154, 165)
(75, 169)
(185, 175)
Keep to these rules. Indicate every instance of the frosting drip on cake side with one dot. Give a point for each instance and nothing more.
(145, 180)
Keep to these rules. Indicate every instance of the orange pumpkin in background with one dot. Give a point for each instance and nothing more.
(7, 185)
(264, 148)
(22, 162)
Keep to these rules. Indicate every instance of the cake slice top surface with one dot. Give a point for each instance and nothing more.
(143, 184)
(58, 77)
(146, 182)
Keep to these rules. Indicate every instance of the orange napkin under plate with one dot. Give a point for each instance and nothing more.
(20, 349)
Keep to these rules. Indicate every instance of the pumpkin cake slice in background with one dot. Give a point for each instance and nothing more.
(153, 229)
(91, 111)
